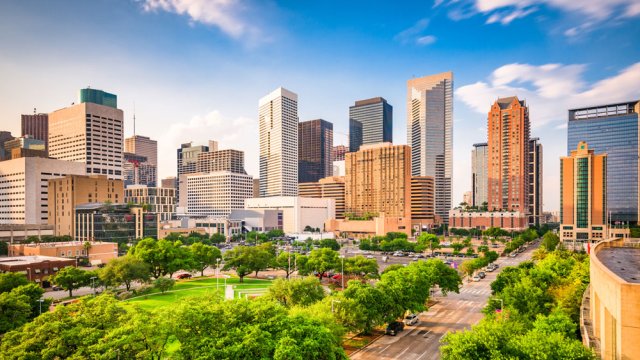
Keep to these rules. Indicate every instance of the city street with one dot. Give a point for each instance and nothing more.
(452, 312)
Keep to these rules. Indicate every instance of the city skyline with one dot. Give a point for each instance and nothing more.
(170, 66)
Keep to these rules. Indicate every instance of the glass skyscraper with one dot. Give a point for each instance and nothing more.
(315, 143)
(613, 130)
(370, 122)
(100, 97)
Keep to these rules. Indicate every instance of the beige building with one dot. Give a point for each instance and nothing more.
(159, 200)
(24, 187)
(377, 226)
(68, 192)
(422, 202)
(297, 212)
(482, 220)
(614, 295)
(221, 160)
(330, 187)
(91, 134)
(143, 146)
(97, 252)
(214, 194)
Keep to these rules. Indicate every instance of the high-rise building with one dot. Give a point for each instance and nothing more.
(583, 198)
(24, 187)
(169, 182)
(278, 124)
(378, 181)
(24, 146)
(612, 129)
(99, 97)
(535, 182)
(36, 126)
(66, 193)
(4, 137)
(188, 157)
(338, 151)
(467, 198)
(479, 181)
(143, 146)
(422, 201)
(221, 160)
(430, 134)
(256, 188)
(508, 147)
(329, 187)
(138, 171)
(315, 144)
(370, 122)
(158, 200)
(214, 194)
(89, 133)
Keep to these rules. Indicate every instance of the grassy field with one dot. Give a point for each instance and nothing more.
(186, 288)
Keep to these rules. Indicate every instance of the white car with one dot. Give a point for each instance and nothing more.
(411, 319)
(476, 278)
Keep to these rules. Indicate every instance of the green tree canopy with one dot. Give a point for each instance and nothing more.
(204, 256)
(323, 260)
(11, 280)
(71, 278)
(297, 292)
(124, 270)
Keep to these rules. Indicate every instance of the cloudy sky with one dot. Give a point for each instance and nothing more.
(195, 69)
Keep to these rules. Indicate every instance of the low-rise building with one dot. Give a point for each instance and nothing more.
(482, 220)
(114, 222)
(423, 214)
(158, 200)
(297, 212)
(367, 227)
(36, 268)
(330, 187)
(97, 252)
(19, 233)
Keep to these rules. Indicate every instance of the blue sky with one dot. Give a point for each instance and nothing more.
(195, 69)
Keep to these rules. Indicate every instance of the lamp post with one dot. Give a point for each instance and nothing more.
(93, 284)
(342, 275)
(218, 272)
(334, 301)
(40, 301)
(29, 273)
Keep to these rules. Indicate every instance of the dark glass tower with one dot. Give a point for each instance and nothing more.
(98, 97)
(37, 126)
(370, 122)
(315, 143)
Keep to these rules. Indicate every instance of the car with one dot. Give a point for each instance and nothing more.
(513, 254)
(476, 278)
(411, 319)
(370, 257)
(495, 246)
(56, 288)
(420, 256)
(482, 274)
(184, 276)
(394, 328)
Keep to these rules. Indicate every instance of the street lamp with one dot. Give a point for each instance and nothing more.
(218, 272)
(40, 301)
(93, 284)
(334, 301)
(342, 275)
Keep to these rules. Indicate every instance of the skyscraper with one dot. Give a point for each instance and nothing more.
(315, 144)
(612, 129)
(508, 165)
(430, 134)
(370, 122)
(278, 124)
(479, 186)
(535, 181)
(90, 133)
(140, 172)
(36, 126)
(143, 146)
(338, 151)
(99, 97)
(188, 157)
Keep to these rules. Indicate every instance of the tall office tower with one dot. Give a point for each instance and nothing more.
(70, 191)
(430, 134)
(24, 187)
(138, 171)
(378, 180)
(90, 133)
(278, 122)
(535, 181)
(159, 200)
(422, 200)
(583, 200)
(221, 160)
(214, 194)
(4, 137)
(99, 97)
(24, 146)
(338, 151)
(613, 130)
(36, 126)
(329, 187)
(315, 144)
(508, 165)
(143, 146)
(370, 122)
(188, 157)
(479, 186)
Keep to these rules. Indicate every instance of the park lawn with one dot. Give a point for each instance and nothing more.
(206, 286)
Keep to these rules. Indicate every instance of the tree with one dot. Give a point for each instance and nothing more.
(275, 233)
(217, 238)
(329, 243)
(247, 259)
(14, 310)
(429, 241)
(297, 292)
(361, 267)
(163, 284)
(323, 260)
(468, 267)
(11, 280)
(34, 293)
(124, 270)
(70, 278)
(163, 256)
(550, 241)
(369, 305)
(288, 261)
(204, 256)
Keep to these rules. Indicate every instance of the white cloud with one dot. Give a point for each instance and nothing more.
(550, 90)
(224, 14)
(426, 40)
(415, 34)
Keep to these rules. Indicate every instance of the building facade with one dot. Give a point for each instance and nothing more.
(114, 223)
(535, 182)
(157, 200)
(96, 252)
(91, 134)
(430, 134)
(278, 125)
(331, 187)
(65, 194)
(138, 171)
(315, 145)
(482, 220)
(583, 198)
(143, 146)
(24, 146)
(170, 182)
(338, 151)
(370, 122)
(221, 160)
(479, 172)
(612, 129)
(36, 126)
(36, 268)
(214, 194)
(422, 202)
(297, 212)
(188, 156)
(24, 185)
(99, 97)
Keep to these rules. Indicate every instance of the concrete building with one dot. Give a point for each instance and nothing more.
(65, 194)
(363, 228)
(25, 146)
(170, 182)
(508, 147)
(158, 200)
(188, 156)
(261, 220)
(214, 194)
(370, 122)
(278, 124)
(24, 187)
(114, 223)
(297, 212)
(583, 198)
(315, 144)
(467, 197)
(330, 187)
(339, 168)
(612, 129)
(422, 202)
(4, 137)
(614, 294)
(479, 172)
(36, 268)
(430, 134)
(138, 171)
(256, 188)
(89, 133)
(143, 146)
(221, 160)
(482, 220)
(96, 252)
(338, 151)
(535, 182)
(19, 233)
(36, 126)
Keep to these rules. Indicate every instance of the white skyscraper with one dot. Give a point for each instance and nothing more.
(278, 121)
(430, 134)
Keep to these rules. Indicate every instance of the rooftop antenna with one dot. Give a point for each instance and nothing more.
(34, 111)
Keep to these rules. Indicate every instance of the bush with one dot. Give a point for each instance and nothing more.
(163, 284)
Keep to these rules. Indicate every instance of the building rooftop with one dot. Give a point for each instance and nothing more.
(28, 260)
(506, 102)
(64, 243)
(622, 261)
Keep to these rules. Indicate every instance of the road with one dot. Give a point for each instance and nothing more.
(452, 312)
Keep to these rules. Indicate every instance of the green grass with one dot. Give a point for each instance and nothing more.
(207, 286)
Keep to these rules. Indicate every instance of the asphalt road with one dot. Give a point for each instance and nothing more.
(452, 312)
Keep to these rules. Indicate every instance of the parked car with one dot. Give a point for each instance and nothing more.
(475, 278)
(184, 276)
(420, 256)
(411, 319)
(370, 257)
(482, 274)
(513, 254)
(56, 288)
(394, 328)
